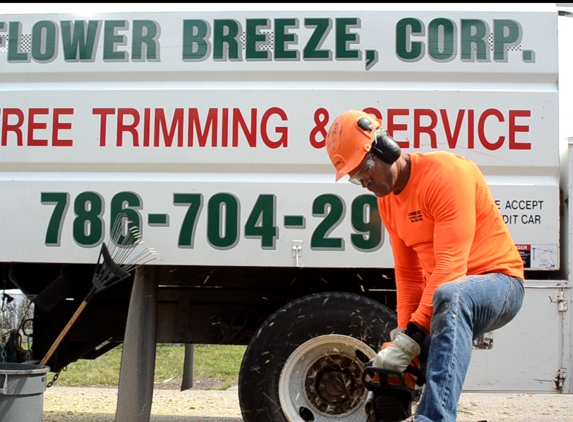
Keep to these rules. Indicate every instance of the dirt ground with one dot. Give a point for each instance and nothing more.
(199, 383)
(85, 404)
(70, 404)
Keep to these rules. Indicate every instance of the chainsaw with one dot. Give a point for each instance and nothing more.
(392, 394)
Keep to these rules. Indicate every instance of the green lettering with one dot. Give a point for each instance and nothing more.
(506, 32)
(366, 221)
(284, 38)
(474, 33)
(195, 44)
(61, 202)
(78, 42)
(406, 49)
(187, 231)
(343, 38)
(44, 41)
(226, 31)
(111, 40)
(2, 39)
(14, 37)
(441, 47)
(261, 221)
(253, 36)
(124, 206)
(331, 207)
(146, 33)
(88, 224)
(223, 221)
(322, 27)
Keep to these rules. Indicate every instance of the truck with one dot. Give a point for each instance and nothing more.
(202, 128)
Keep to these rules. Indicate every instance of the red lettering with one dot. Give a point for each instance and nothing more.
(481, 129)
(374, 111)
(33, 125)
(429, 130)
(452, 139)
(251, 135)
(103, 112)
(124, 127)
(392, 127)
(210, 125)
(513, 128)
(225, 128)
(471, 124)
(176, 125)
(146, 125)
(57, 126)
(425, 121)
(15, 127)
(282, 130)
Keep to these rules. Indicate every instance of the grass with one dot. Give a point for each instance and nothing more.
(216, 362)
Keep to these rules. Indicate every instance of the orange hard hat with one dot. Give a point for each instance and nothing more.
(347, 142)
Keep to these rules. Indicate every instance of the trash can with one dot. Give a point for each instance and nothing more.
(22, 389)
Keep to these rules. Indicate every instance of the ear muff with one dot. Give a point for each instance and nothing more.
(385, 147)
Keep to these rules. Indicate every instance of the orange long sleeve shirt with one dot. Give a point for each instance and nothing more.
(443, 226)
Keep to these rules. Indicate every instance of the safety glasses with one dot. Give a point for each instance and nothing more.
(363, 171)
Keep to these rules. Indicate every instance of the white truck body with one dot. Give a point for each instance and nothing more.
(208, 126)
(163, 124)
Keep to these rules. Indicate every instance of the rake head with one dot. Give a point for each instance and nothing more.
(116, 262)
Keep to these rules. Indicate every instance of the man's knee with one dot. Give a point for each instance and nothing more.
(450, 306)
(445, 301)
(444, 294)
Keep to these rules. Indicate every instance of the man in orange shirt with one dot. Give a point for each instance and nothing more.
(458, 272)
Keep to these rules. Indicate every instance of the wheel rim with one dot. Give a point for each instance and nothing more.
(322, 380)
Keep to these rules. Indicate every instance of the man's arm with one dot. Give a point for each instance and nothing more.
(452, 204)
(410, 282)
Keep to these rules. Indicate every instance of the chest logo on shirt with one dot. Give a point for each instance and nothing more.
(415, 216)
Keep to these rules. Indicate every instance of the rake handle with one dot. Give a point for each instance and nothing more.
(63, 333)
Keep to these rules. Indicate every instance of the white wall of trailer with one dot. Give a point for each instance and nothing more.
(203, 151)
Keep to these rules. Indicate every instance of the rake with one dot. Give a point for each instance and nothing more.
(114, 265)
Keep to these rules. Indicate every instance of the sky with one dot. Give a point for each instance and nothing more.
(90, 8)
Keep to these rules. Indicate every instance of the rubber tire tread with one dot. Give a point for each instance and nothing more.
(284, 331)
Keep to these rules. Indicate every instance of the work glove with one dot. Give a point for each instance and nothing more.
(398, 355)
(395, 332)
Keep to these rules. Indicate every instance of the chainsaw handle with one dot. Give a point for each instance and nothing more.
(374, 378)
(418, 373)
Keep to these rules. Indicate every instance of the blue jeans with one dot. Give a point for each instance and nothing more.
(464, 309)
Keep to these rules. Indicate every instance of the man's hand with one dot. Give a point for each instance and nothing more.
(395, 332)
(398, 355)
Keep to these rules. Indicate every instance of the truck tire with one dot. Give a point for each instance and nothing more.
(305, 361)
